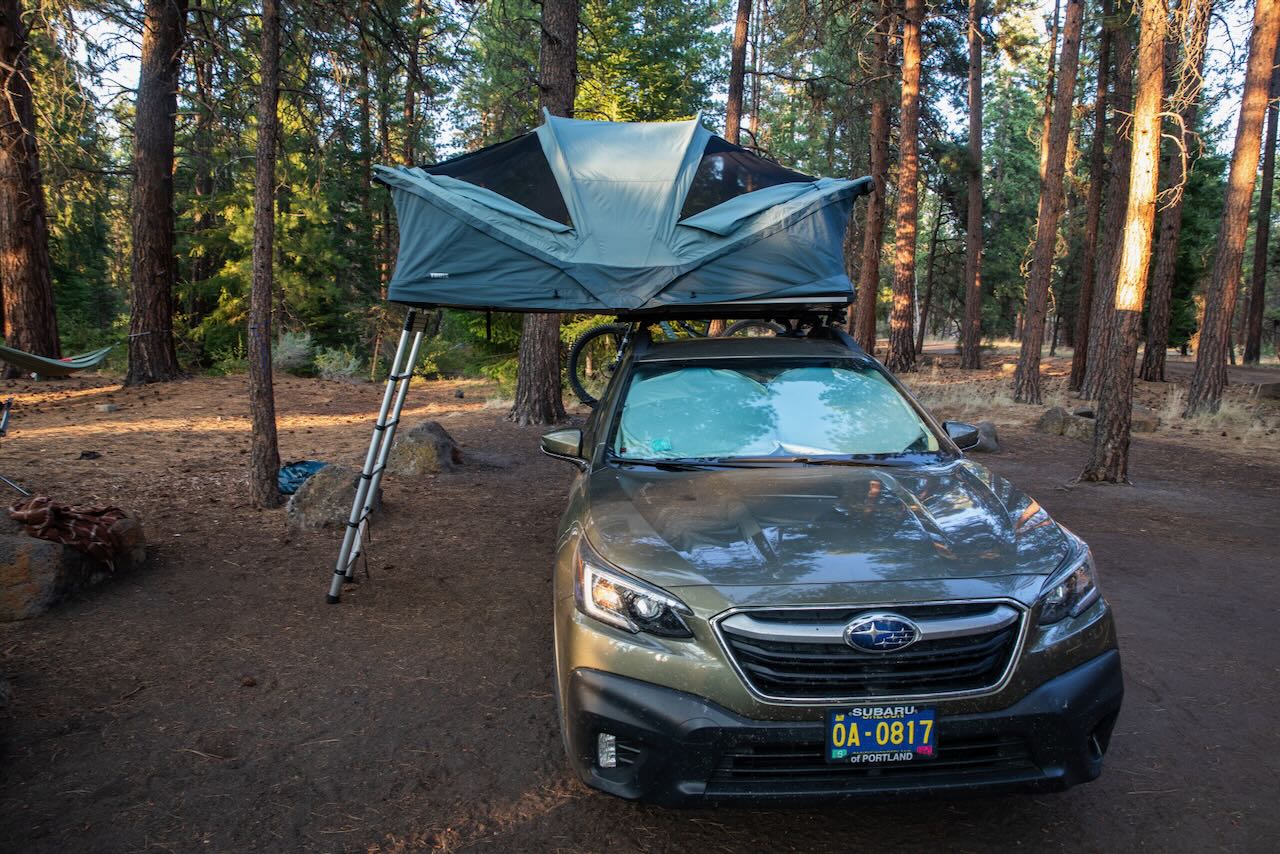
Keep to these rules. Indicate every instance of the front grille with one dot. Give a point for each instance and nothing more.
(831, 670)
(801, 769)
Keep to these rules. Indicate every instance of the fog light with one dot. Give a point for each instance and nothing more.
(607, 750)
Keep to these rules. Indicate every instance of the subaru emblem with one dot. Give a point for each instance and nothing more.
(881, 633)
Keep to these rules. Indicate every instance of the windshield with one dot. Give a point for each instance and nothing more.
(746, 408)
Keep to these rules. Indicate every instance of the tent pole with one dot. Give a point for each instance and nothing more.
(379, 448)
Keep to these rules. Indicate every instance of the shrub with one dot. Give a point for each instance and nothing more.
(504, 374)
(230, 359)
(293, 353)
(337, 364)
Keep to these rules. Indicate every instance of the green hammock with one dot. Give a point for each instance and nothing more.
(53, 367)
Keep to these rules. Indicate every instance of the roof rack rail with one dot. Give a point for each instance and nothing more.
(781, 310)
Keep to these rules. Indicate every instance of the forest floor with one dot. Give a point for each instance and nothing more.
(211, 700)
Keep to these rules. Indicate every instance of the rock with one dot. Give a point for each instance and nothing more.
(427, 448)
(108, 407)
(459, 394)
(1271, 390)
(1086, 412)
(1053, 421)
(324, 500)
(1078, 427)
(988, 441)
(1144, 419)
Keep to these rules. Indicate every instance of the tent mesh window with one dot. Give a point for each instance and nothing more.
(516, 169)
(727, 170)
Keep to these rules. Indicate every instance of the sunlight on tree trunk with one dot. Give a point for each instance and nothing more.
(264, 460)
(29, 322)
(152, 356)
(971, 333)
(1262, 233)
(1026, 383)
(1109, 460)
(868, 293)
(1195, 29)
(539, 398)
(1102, 309)
(902, 350)
(1210, 378)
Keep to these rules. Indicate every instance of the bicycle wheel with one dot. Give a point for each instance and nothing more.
(592, 360)
(753, 329)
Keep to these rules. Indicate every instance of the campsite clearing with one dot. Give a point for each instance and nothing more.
(213, 701)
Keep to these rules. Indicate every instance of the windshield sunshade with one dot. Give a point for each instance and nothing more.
(761, 409)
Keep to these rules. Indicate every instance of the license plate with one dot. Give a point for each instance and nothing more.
(869, 735)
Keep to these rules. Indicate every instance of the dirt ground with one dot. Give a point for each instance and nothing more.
(211, 701)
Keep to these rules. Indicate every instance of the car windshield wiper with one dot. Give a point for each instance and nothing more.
(690, 463)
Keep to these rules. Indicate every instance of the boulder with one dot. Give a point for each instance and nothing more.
(1144, 419)
(1085, 412)
(1078, 427)
(988, 441)
(324, 500)
(426, 448)
(1269, 390)
(1053, 421)
(36, 574)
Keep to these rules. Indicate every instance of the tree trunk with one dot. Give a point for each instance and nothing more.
(538, 393)
(29, 322)
(971, 334)
(1175, 170)
(864, 323)
(902, 352)
(152, 357)
(737, 73)
(1093, 206)
(1262, 233)
(202, 263)
(264, 461)
(1102, 309)
(1210, 378)
(1109, 460)
(1046, 120)
(928, 275)
(1026, 384)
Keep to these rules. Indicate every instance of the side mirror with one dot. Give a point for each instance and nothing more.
(564, 445)
(964, 435)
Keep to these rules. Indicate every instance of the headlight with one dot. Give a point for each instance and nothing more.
(616, 598)
(1071, 590)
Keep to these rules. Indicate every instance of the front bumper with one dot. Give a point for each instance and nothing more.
(676, 748)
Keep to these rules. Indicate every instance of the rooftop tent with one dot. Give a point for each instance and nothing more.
(616, 217)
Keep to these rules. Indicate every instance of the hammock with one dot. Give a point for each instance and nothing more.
(53, 367)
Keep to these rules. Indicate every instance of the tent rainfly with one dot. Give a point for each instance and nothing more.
(615, 217)
(605, 217)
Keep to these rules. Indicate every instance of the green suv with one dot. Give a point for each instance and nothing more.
(779, 578)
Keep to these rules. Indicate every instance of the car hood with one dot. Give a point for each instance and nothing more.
(818, 525)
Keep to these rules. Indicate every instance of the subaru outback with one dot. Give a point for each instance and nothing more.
(778, 577)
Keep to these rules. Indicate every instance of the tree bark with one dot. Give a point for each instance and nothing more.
(1047, 117)
(1210, 378)
(152, 357)
(1262, 233)
(1102, 309)
(1175, 170)
(737, 73)
(864, 323)
(29, 321)
(927, 302)
(1026, 384)
(1093, 205)
(264, 460)
(538, 393)
(902, 351)
(1109, 460)
(971, 334)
